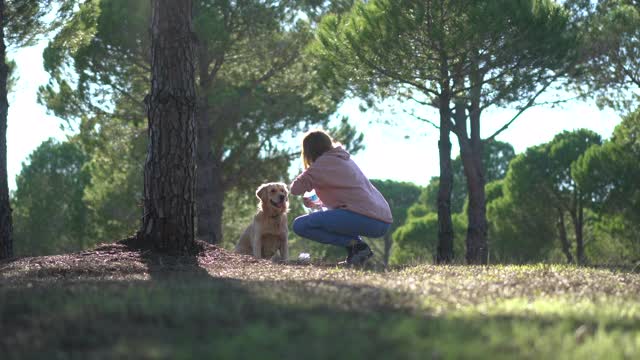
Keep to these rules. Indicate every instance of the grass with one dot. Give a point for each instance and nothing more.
(115, 303)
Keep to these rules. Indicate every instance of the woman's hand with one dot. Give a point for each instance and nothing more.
(311, 204)
(307, 202)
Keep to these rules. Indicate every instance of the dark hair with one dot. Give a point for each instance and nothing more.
(314, 144)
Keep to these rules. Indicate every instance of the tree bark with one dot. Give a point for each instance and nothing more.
(577, 217)
(445, 224)
(6, 227)
(170, 168)
(477, 227)
(562, 232)
(476, 242)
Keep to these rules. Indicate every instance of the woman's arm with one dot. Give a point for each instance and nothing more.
(301, 184)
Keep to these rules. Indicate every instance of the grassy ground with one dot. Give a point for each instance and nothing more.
(115, 303)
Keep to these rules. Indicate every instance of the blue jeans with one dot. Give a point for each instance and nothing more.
(338, 227)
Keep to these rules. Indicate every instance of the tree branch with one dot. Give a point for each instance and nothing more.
(421, 119)
(529, 104)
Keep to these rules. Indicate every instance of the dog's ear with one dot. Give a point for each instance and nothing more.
(261, 191)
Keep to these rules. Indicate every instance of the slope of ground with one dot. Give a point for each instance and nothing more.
(113, 302)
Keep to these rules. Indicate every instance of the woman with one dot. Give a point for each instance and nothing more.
(355, 207)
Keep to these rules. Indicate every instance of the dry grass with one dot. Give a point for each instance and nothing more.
(531, 311)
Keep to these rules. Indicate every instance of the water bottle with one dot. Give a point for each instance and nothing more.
(317, 204)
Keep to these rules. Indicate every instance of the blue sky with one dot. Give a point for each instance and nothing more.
(398, 147)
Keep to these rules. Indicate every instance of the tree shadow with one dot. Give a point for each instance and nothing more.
(186, 312)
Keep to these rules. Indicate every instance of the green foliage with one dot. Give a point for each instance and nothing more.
(116, 162)
(259, 86)
(26, 20)
(421, 215)
(49, 214)
(12, 77)
(348, 136)
(416, 241)
(610, 172)
(496, 156)
(610, 48)
(539, 195)
(385, 48)
(520, 231)
(400, 196)
(98, 63)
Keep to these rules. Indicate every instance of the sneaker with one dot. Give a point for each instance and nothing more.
(359, 254)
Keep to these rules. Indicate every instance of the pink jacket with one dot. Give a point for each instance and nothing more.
(340, 184)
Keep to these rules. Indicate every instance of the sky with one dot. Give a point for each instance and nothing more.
(397, 146)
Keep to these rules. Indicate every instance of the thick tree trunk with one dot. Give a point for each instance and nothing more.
(170, 168)
(477, 247)
(562, 232)
(6, 240)
(471, 154)
(445, 224)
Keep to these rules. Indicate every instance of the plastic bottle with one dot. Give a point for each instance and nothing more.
(315, 200)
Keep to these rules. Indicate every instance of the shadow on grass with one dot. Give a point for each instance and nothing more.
(184, 312)
(185, 315)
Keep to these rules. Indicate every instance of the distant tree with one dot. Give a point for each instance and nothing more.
(496, 156)
(540, 190)
(610, 173)
(169, 173)
(524, 227)
(50, 215)
(116, 155)
(416, 240)
(445, 54)
(399, 195)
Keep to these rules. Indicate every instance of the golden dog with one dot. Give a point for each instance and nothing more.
(268, 233)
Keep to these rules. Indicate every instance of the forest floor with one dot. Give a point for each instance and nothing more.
(112, 302)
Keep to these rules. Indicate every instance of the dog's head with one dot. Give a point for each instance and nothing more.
(274, 197)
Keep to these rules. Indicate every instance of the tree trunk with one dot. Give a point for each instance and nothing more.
(170, 168)
(6, 240)
(562, 232)
(580, 235)
(205, 174)
(477, 246)
(218, 190)
(477, 249)
(388, 241)
(445, 224)
(471, 154)
(577, 217)
(208, 184)
(209, 190)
